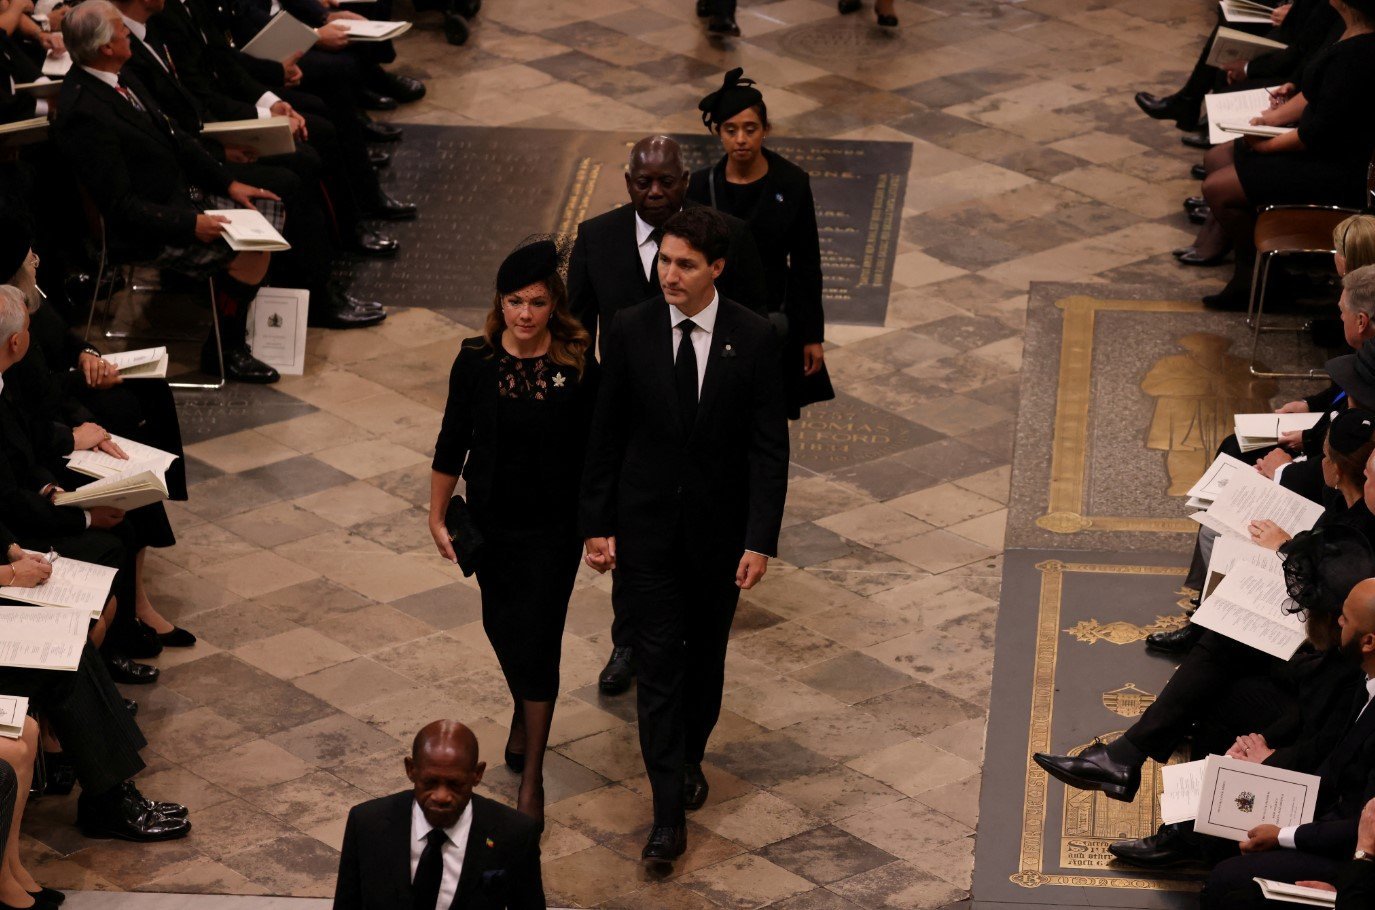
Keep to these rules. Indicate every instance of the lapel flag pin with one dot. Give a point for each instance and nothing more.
(491, 843)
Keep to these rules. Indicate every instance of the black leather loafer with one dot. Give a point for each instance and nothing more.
(124, 670)
(1092, 769)
(239, 366)
(1171, 845)
(724, 26)
(695, 787)
(666, 843)
(1198, 172)
(1176, 641)
(380, 131)
(341, 311)
(390, 209)
(616, 675)
(369, 100)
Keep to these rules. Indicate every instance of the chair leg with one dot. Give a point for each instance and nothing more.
(1258, 327)
(219, 348)
(95, 291)
(1251, 315)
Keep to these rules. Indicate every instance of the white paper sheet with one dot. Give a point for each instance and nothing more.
(1249, 497)
(101, 464)
(1248, 606)
(41, 639)
(1182, 785)
(1222, 470)
(13, 709)
(73, 585)
(1233, 107)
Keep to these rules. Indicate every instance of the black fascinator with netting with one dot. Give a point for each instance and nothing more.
(1321, 567)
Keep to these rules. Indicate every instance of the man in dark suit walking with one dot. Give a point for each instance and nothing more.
(686, 473)
(439, 846)
(612, 267)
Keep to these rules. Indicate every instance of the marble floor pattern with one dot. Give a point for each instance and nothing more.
(845, 770)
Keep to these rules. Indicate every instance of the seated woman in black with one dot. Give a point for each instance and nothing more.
(1322, 161)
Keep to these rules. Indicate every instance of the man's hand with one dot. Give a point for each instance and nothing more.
(1266, 533)
(55, 18)
(1250, 747)
(1261, 838)
(210, 227)
(751, 569)
(52, 43)
(1280, 14)
(1236, 71)
(244, 194)
(239, 154)
(105, 516)
(1273, 459)
(1292, 407)
(331, 37)
(98, 372)
(1291, 439)
(813, 356)
(88, 435)
(298, 123)
(601, 553)
(1365, 835)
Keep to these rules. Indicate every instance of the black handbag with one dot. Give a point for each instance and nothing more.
(466, 539)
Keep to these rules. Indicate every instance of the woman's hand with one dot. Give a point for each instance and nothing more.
(1251, 747)
(1279, 14)
(98, 372)
(1293, 407)
(1267, 534)
(30, 573)
(441, 539)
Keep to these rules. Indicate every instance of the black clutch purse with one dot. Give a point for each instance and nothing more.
(467, 540)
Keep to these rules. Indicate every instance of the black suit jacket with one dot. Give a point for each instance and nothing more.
(26, 466)
(500, 868)
(724, 482)
(1356, 886)
(137, 166)
(605, 274)
(16, 65)
(207, 61)
(183, 108)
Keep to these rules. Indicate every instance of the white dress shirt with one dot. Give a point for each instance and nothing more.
(701, 336)
(1286, 835)
(109, 79)
(649, 250)
(452, 851)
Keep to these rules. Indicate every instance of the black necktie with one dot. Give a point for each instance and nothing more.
(429, 872)
(652, 279)
(685, 375)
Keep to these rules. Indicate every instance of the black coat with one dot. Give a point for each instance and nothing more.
(725, 482)
(182, 107)
(606, 275)
(27, 465)
(207, 61)
(138, 168)
(15, 64)
(500, 868)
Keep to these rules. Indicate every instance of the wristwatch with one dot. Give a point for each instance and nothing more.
(1363, 855)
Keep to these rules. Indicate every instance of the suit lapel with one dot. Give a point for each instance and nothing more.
(712, 380)
(1350, 744)
(474, 856)
(395, 845)
(144, 120)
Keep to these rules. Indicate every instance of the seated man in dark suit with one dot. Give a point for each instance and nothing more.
(153, 183)
(439, 845)
(612, 267)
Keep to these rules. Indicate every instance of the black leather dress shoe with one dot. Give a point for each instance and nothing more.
(124, 670)
(695, 787)
(1198, 140)
(1200, 215)
(135, 639)
(615, 677)
(723, 25)
(379, 158)
(703, 9)
(368, 242)
(394, 85)
(1171, 845)
(666, 843)
(131, 706)
(456, 30)
(381, 131)
(1195, 202)
(166, 810)
(388, 208)
(340, 311)
(51, 896)
(1183, 111)
(1198, 172)
(1092, 769)
(846, 7)
(1175, 641)
(126, 816)
(239, 366)
(59, 774)
(370, 100)
(177, 638)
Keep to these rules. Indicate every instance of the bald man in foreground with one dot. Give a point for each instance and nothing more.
(438, 846)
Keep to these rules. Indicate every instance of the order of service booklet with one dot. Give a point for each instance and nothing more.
(1236, 796)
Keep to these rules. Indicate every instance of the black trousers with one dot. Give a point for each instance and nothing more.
(681, 613)
(337, 132)
(1206, 673)
(1230, 885)
(97, 732)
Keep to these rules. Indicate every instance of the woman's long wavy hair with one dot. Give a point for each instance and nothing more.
(568, 340)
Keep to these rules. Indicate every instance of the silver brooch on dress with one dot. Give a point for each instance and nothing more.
(559, 380)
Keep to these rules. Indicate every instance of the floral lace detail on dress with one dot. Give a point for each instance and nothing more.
(528, 379)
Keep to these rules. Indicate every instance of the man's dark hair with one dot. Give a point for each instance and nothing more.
(704, 230)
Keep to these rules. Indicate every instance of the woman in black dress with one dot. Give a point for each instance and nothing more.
(515, 426)
(774, 196)
(1321, 161)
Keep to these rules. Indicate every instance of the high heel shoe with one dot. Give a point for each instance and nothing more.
(515, 760)
(177, 638)
(847, 7)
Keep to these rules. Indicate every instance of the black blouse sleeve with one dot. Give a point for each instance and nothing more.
(456, 432)
(805, 314)
(1338, 118)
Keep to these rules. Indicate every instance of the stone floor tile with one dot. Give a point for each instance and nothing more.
(240, 451)
(939, 551)
(904, 828)
(293, 653)
(589, 877)
(913, 767)
(743, 882)
(827, 854)
(837, 792)
(897, 885)
(851, 678)
(353, 682)
(333, 740)
(254, 764)
(874, 524)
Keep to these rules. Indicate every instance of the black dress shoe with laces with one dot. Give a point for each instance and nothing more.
(167, 810)
(1171, 845)
(379, 158)
(724, 26)
(1198, 172)
(394, 85)
(1175, 641)
(239, 366)
(370, 100)
(666, 843)
(131, 673)
(59, 774)
(367, 242)
(1183, 111)
(340, 311)
(390, 209)
(1093, 769)
(380, 131)
(695, 787)
(615, 677)
(126, 815)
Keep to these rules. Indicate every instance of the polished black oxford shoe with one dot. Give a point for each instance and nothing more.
(1198, 172)
(388, 208)
(403, 88)
(166, 810)
(1092, 769)
(1198, 140)
(239, 366)
(1195, 202)
(1200, 215)
(367, 242)
(125, 815)
(370, 100)
(666, 843)
(456, 29)
(380, 131)
(379, 158)
(124, 670)
(1183, 111)
(342, 311)
(1175, 641)
(1171, 845)
(695, 787)
(616, 675)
